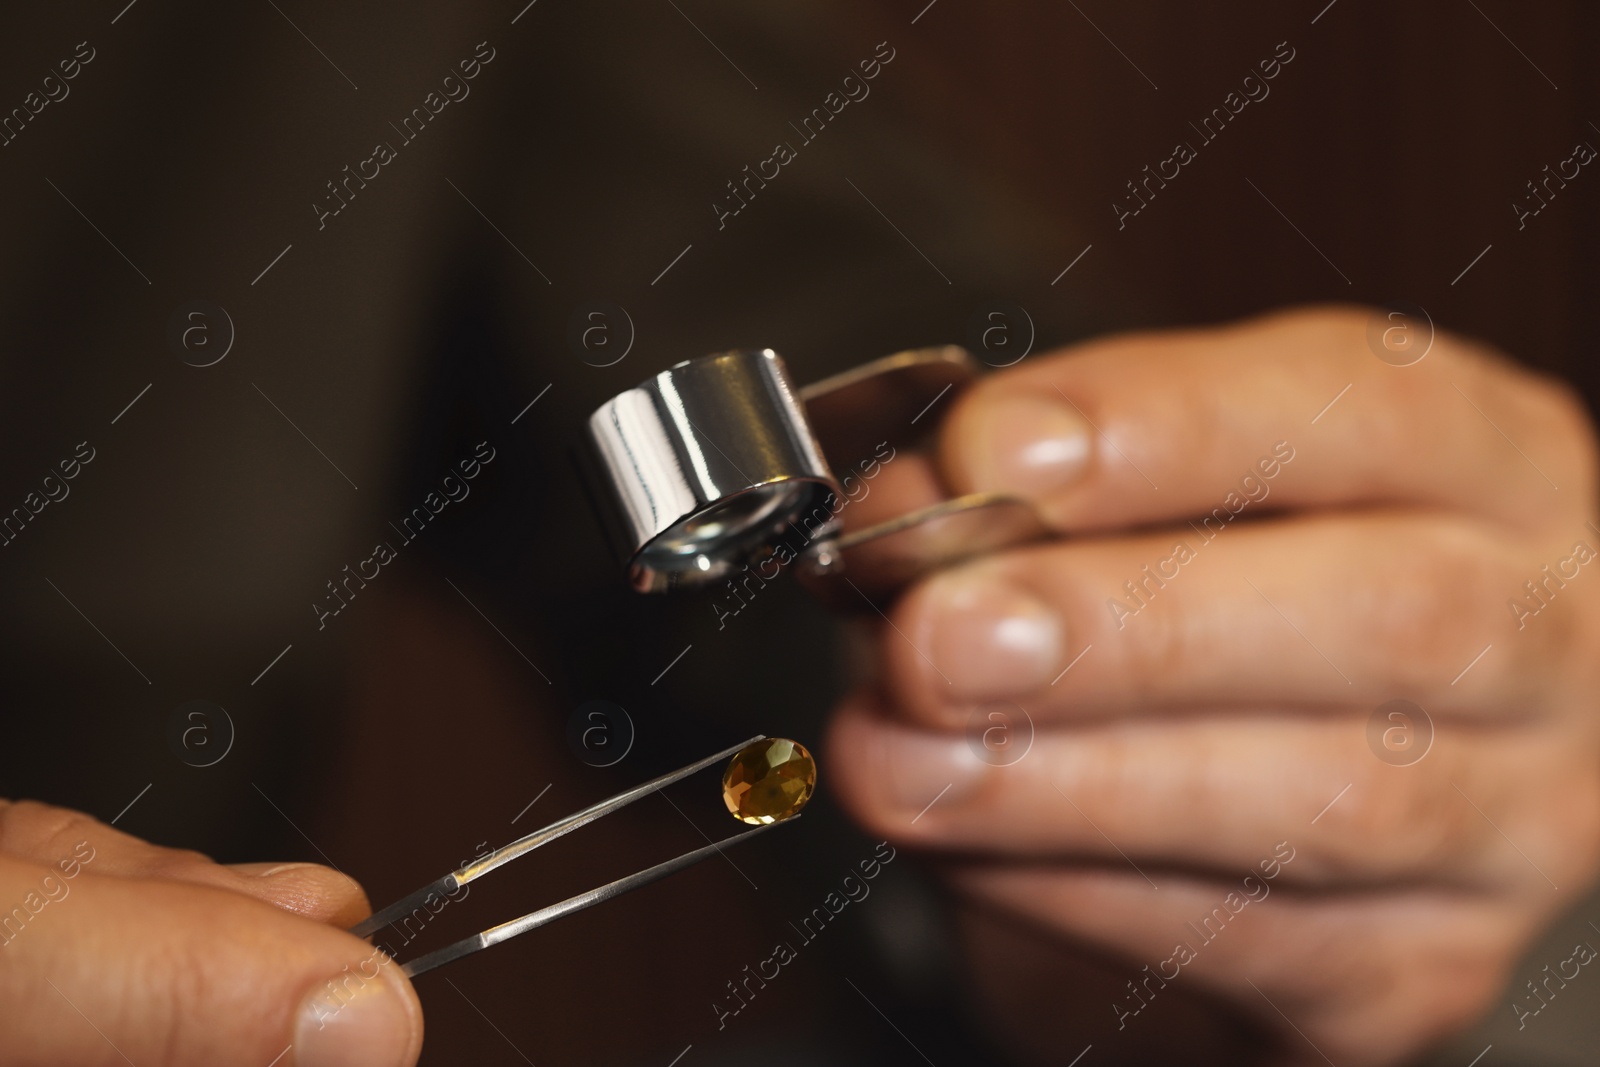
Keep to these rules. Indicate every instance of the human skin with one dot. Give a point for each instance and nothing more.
(153, 955)
(1225, 715)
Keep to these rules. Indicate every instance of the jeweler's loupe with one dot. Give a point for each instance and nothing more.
(719, 463)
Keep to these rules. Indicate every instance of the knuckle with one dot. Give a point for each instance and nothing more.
(1397, 821)
(1340, 326)
(1559, 822)
(1162, 649)
(1337, 333)
(1560, 418)
(1566, 408)
(173, 862)
(1449, 980)
(1147, 640)
(1548, 413)
(1439, 581)
(1381, 993)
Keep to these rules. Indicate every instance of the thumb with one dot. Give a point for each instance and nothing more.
(110, 970)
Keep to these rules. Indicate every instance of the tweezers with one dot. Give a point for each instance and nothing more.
(447, 886)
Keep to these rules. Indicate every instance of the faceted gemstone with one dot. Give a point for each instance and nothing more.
(769, 781)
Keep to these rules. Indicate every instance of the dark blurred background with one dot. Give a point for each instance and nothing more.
(375, 348)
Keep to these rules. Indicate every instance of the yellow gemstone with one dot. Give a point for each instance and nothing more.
(769, 781)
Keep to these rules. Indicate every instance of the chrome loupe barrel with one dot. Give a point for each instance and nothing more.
(703, 468)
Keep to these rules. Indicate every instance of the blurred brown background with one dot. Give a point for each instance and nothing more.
(414, 325)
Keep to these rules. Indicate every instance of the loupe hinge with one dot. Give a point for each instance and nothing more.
(717, 464)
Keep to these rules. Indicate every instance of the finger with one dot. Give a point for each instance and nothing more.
(1210, 793)
(307, 889)
(909, 482)
(1351, 970)
(1151, 427)
(1395, 605)
(112, 970)
(47, 835)
(903, 526)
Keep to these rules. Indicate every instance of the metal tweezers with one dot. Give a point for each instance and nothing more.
(450, 883)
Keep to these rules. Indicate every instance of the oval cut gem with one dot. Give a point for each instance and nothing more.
(769, 781)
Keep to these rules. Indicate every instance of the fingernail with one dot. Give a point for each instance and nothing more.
(365, 1016)
(990, 638)
(927, 769)
(909, 769)
(267, 870)
(1026, 444)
